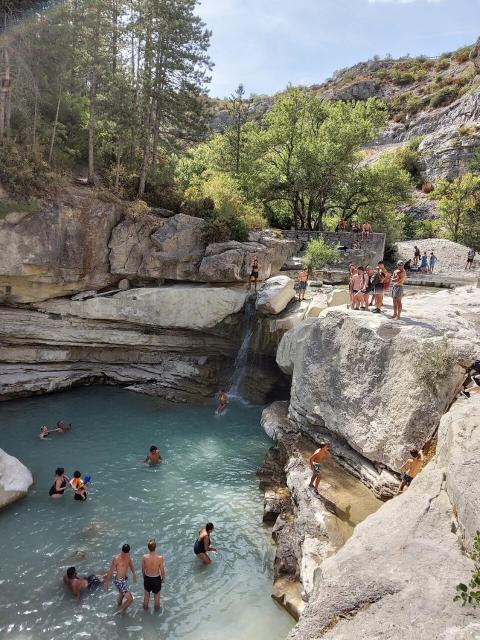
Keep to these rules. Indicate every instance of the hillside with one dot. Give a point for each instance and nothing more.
(437, 99)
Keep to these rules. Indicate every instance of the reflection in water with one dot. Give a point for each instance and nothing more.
(208, 473)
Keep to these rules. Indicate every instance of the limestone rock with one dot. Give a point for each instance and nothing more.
(230, 261)
(176, 307)
(396, 576)
(131, 246)
(317, 304)
(338, 297)
(275, 294)
(354, 376)
(15, 479)
(57, 250)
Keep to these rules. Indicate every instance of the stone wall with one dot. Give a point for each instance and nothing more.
(371, 251)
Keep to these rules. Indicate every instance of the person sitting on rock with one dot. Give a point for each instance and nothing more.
(315, 461)
(412, 467)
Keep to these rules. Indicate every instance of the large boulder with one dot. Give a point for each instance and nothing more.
(354, 375)
(396, 576)
(230, 261)
(176, 307)
(338, 297)
(274, 295)
(15, 479)
(58, 249)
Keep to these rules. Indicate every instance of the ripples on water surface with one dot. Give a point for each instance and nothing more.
(208, 473)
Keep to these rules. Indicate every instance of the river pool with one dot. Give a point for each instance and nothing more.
(208, 473)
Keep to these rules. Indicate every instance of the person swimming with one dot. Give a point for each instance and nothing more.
(59, 483)
(203, 544)
(76, 584)
(153, 456)
(62, 427)
(44, 432)
(222, 401)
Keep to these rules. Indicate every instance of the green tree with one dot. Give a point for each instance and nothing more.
(458, 203)
(319, 253)
(470, 593)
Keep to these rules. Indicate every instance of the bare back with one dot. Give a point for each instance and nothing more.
(152, 565)
(319, 455)
(121, 564)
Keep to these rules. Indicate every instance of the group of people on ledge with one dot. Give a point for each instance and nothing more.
(365, 229)
(368, 285)
(410, 469)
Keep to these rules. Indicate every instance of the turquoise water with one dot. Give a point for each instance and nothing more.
(208, 473)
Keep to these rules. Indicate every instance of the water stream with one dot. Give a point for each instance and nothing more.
(208, 473)
(241, 361)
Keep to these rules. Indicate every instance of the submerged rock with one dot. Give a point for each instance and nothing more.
(15, 479)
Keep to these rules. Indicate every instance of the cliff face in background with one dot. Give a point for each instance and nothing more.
(435, 98)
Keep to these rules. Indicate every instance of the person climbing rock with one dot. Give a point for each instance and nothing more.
(315, 461)
(153, 572)
(412, 466)
(203, 544)
(121, 564)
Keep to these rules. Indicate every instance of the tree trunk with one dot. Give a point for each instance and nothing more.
(54, 132)
(91, 128)
(5, 93)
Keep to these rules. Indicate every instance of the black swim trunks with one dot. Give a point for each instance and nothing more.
(79, 496)
(93, 581)
(407, 479)
(254, 274)
(153, 584)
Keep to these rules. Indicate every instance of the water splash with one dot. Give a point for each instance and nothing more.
(241, 361)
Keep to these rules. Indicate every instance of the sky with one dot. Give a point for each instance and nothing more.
(267, 44)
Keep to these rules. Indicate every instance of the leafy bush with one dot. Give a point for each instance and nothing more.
(427, 229)
(202, 208)
(462, 55)
(138, 209)
(409, 160)
(216, 231)
(402, 78)
(470, 593)
(319, 254)
(444, 96)
(22, 174)
(414, 142)
(434, 363)
(442, 64)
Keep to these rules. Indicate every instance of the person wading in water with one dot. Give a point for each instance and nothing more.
(203, 544)
(121, 563)
(153, 571)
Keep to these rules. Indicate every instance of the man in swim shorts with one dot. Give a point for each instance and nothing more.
(315, 460)
(77, 584)
(412, 467)
(302, 283)
(121, 563)
(153, 456)
(153, 571)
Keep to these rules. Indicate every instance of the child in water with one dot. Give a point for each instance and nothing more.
(79, 486)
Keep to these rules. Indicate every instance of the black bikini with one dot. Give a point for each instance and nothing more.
(53, 491)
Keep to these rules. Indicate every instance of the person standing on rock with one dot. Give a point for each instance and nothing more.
(470, 258)
(416, 256)
(315, 461)
(121, 563)
(432, 261)
(424, 263)
(302, 283)
(254, 273)
(366, 230)
(412, 467)
(378, 280)
(359, 282)
(398, 280)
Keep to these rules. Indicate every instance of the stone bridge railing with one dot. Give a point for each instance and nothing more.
(370, 251)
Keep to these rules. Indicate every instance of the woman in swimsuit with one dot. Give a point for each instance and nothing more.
(203, 544)
(59, 483)
(254, 274)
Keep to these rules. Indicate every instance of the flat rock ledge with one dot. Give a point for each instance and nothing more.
(15, 479)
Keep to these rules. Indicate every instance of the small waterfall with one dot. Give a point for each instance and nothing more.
(240, 367)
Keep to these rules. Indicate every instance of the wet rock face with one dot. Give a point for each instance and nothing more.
(354, 374)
